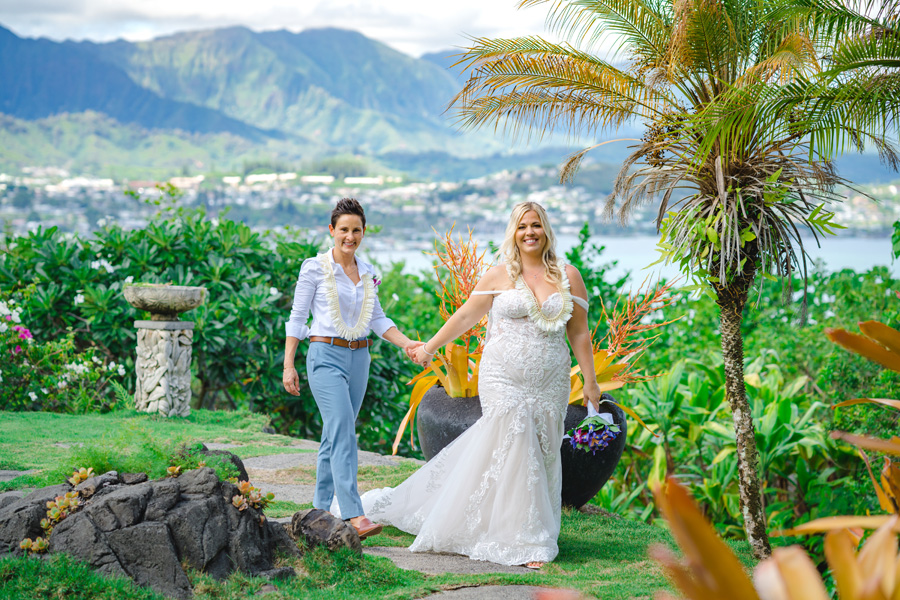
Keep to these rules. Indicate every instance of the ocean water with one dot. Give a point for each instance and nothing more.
(634, 254)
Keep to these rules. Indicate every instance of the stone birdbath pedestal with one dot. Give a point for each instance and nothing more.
(163, 362)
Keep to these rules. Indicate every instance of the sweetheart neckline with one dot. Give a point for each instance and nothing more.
(542, 304)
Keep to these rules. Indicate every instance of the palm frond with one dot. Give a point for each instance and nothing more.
(535, 85)
(641, 25)
(794, 57)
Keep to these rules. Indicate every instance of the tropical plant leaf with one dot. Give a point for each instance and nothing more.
(865, 347)
(714, 572)
(791, 571)
(882, 401)
(880, 492)
(418, 392)
(844, 522)
(881, 333)
(891, 446)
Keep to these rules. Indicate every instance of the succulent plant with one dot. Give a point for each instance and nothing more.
(79, 475)
(37, 546)
(254, 496)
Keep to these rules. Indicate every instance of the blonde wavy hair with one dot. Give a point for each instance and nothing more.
(509, 251)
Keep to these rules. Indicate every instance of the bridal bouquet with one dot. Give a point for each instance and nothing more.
(594, 433)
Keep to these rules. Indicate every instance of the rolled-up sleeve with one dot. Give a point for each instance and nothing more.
(380, 323)
(304, 292)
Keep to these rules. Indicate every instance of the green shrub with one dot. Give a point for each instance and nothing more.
(238, 346)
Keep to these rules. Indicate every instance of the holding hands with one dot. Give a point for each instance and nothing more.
(411, 348)
(421, 356)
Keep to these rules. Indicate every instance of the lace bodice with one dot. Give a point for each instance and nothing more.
(521, 362)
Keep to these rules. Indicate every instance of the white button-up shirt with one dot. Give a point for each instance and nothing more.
(309, 294)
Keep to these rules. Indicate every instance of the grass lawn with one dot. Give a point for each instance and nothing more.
(601, 556)
(53, 443)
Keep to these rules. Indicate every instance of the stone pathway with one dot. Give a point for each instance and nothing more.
(433, 563)
(268, 472)
(265, 471)
(6, 475)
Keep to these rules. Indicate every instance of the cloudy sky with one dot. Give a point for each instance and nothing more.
(411, 26)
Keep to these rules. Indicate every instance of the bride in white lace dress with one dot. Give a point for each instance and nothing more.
(494, 493)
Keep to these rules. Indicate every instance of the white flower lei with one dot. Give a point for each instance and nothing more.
(334, 306)
(536, 312)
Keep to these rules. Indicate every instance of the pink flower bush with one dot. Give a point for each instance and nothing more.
(49, 375)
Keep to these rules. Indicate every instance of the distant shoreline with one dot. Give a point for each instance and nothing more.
(634, 253)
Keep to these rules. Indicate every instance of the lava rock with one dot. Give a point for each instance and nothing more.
(22, 519)
(147, 554)
(92, 485)
(320, 528)
(232, 457)
(133, 478)
(7, 498)
(148, 530)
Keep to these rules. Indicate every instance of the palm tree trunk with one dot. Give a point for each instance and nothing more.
(731, 300)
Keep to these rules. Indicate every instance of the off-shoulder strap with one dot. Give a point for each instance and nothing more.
(565, 281)
(486, 292)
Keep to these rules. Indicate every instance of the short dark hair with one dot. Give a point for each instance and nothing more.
(348, 206)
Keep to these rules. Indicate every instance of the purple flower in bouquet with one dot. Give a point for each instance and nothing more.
(593, 434)
(375, 280)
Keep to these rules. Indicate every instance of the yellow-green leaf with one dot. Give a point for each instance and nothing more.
(418, 391)
(723, 454)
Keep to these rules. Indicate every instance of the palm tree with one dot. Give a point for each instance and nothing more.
(731, 93)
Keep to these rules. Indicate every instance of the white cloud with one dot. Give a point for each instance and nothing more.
(411, 26)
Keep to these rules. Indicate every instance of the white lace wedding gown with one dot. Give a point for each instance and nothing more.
(494, 493)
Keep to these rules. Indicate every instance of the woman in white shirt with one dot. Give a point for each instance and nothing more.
(340, 290)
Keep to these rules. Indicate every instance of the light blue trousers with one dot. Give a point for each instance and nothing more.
(338, 378)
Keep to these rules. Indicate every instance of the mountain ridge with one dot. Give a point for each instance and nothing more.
(49, 78)
(233, 96)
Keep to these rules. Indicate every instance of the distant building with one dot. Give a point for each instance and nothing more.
(364, 180)
(261, 178)
(187, 183)
(86, 183)
(140, 185)
(323, 179)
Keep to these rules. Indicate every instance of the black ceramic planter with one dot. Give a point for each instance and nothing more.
(583, 474)
(441, 419)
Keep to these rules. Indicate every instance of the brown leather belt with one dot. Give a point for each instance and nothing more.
(336, 341)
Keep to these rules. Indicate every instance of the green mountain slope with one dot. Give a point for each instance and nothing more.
(93, 143)
(40, 78)
(334, 86)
